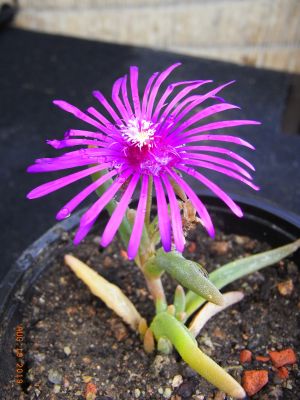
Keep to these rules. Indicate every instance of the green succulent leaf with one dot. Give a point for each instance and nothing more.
(239, 268)
(165, 325)
(188, 273)
(179, 300)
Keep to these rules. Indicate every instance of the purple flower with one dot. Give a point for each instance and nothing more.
(147, 137)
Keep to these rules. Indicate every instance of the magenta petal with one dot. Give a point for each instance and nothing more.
(119, 212)
(184, 92)
(197, 203)
(211, 94)
(90, 134)
(206, 112)
(61, 144)
(137, 229)
(52, 186)
(146, 93)
(175, 216)
(57, 165)
(169, 90)
(67, 209)
(125, 97)
(217, 160)
(163, 215)
(222, 170)
(219, 138)
(116, 98)
(134, 74)
(76, 112)
(92, 213)
(101, 98)
(82, 232)
(220, 150)
(217, 125)
(161, 78)
(214, 188)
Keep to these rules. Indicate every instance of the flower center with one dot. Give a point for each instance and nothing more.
(139, 132)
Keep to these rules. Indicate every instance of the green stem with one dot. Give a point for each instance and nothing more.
(165, 325)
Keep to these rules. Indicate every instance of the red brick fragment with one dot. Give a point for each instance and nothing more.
(283, 357)
(262, 358)
(245, 356)
(253, 381)
(90, 391)
(283, 373)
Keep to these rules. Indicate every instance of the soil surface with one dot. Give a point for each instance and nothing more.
(75, 346)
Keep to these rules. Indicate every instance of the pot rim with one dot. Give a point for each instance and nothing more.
(261, 210)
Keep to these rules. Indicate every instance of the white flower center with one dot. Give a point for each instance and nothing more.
(139, 132)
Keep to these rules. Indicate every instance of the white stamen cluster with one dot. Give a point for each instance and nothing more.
(139, 132)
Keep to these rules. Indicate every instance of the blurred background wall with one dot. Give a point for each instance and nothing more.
(263, 33)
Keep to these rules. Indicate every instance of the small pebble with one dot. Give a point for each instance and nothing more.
(285, 288)
(54, 376)
(167, 393)
(177, 381)
(56, 388)
(67, 350)
(137, 393)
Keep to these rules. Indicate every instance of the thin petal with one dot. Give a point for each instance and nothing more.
(116, 98)
(146, 93)
(52, 186)
(217, 125)
(134, 74)
(137, 229)
(163, 76)
(54, 164)
(101, 98)
(222, 170)
(61, 144)
(125, 97)
(214, 188)
(219, 138)
(184, 92)
(206, 112)
(197, 203)
(67, 209)
(76, 112)
(200, 99)
(119, 212)
(217, 160)
(191, 85)
(92, 213)
(175, 216)
(89, 217)
(90, 134)
(220, 150)
(163, 215)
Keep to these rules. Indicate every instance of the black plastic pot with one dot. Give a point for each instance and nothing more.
(261, 221)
